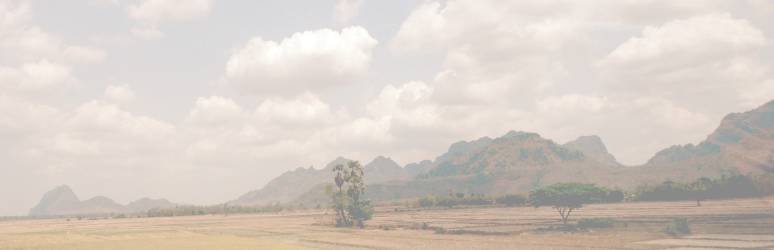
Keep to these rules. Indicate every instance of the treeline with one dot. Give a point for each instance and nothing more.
(600, 195)
(725, 187)
(215, 209)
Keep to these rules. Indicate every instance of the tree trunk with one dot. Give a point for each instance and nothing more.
(565, 214)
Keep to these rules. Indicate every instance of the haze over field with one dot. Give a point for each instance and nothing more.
(201, 101)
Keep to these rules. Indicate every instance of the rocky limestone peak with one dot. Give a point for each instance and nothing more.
(381, 162)
(593, 147)
(464, 146)
(61, 196)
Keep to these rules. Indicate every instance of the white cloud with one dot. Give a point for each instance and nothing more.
(423, 29)
(345, 10)
(408, 105)
(119, 93)
(304, 109)
(572, 103)
(41, 75)
(758, 94)
(83, 55)
(325, 57)
(153, 13)
(22, 41)
(706, 57)
(215, 110)
(98, 117)
(490, 53)
(21, 117)
(156, 11)
(698, 40)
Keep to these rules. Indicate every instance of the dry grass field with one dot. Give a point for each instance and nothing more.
(733, 224)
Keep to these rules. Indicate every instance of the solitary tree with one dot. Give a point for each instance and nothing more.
(351, 208)
(566, 197)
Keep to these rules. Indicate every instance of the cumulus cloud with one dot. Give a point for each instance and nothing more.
(688, 42)
(408, 105)
(98, 117)
(326, 58)
(41, 75)
(705, 57)
(345, 10)
(22, 41)
(306, 108)
(156, 11)
(33, 60)
(153, 13)
(119, 93)
(489, 52)
(215, 110)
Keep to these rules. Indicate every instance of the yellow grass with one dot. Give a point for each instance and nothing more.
(488, 228)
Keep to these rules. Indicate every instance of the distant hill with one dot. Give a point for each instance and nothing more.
(592, 147)
(513, 163)
(743, 144)
(145, 204)
(291, 185)
(747, 139)
(63, 201)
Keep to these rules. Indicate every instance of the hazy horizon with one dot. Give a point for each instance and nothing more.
(200, 101)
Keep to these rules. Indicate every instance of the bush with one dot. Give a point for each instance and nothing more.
(454, 200)
(511, 200)
(614, 196)
(426, 201)
(678, 226)
(443, 201)
(478, 200)
(595, 223)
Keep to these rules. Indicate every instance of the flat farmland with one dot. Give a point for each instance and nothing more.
(729, 224)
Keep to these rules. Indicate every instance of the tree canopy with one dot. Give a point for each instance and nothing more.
(566, 197)
(351, 208)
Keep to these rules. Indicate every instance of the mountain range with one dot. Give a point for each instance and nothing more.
(516, 162)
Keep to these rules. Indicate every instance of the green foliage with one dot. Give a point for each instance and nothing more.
(566, 197)
(427, 201)
(595, 223)
(457, 199)
(570, 195)
(735, 186)
(614, 196)
(678, 226)
(444, 169)
(765, 183)
(351, 209)
(214, 209)
(511, 200)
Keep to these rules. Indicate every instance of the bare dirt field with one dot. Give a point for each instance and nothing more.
(733, 224)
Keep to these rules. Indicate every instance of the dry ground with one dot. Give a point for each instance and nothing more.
(734, 224)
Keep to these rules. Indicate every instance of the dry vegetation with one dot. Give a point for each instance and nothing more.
(746, 223)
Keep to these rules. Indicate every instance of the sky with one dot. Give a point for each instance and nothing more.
(200, 101)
